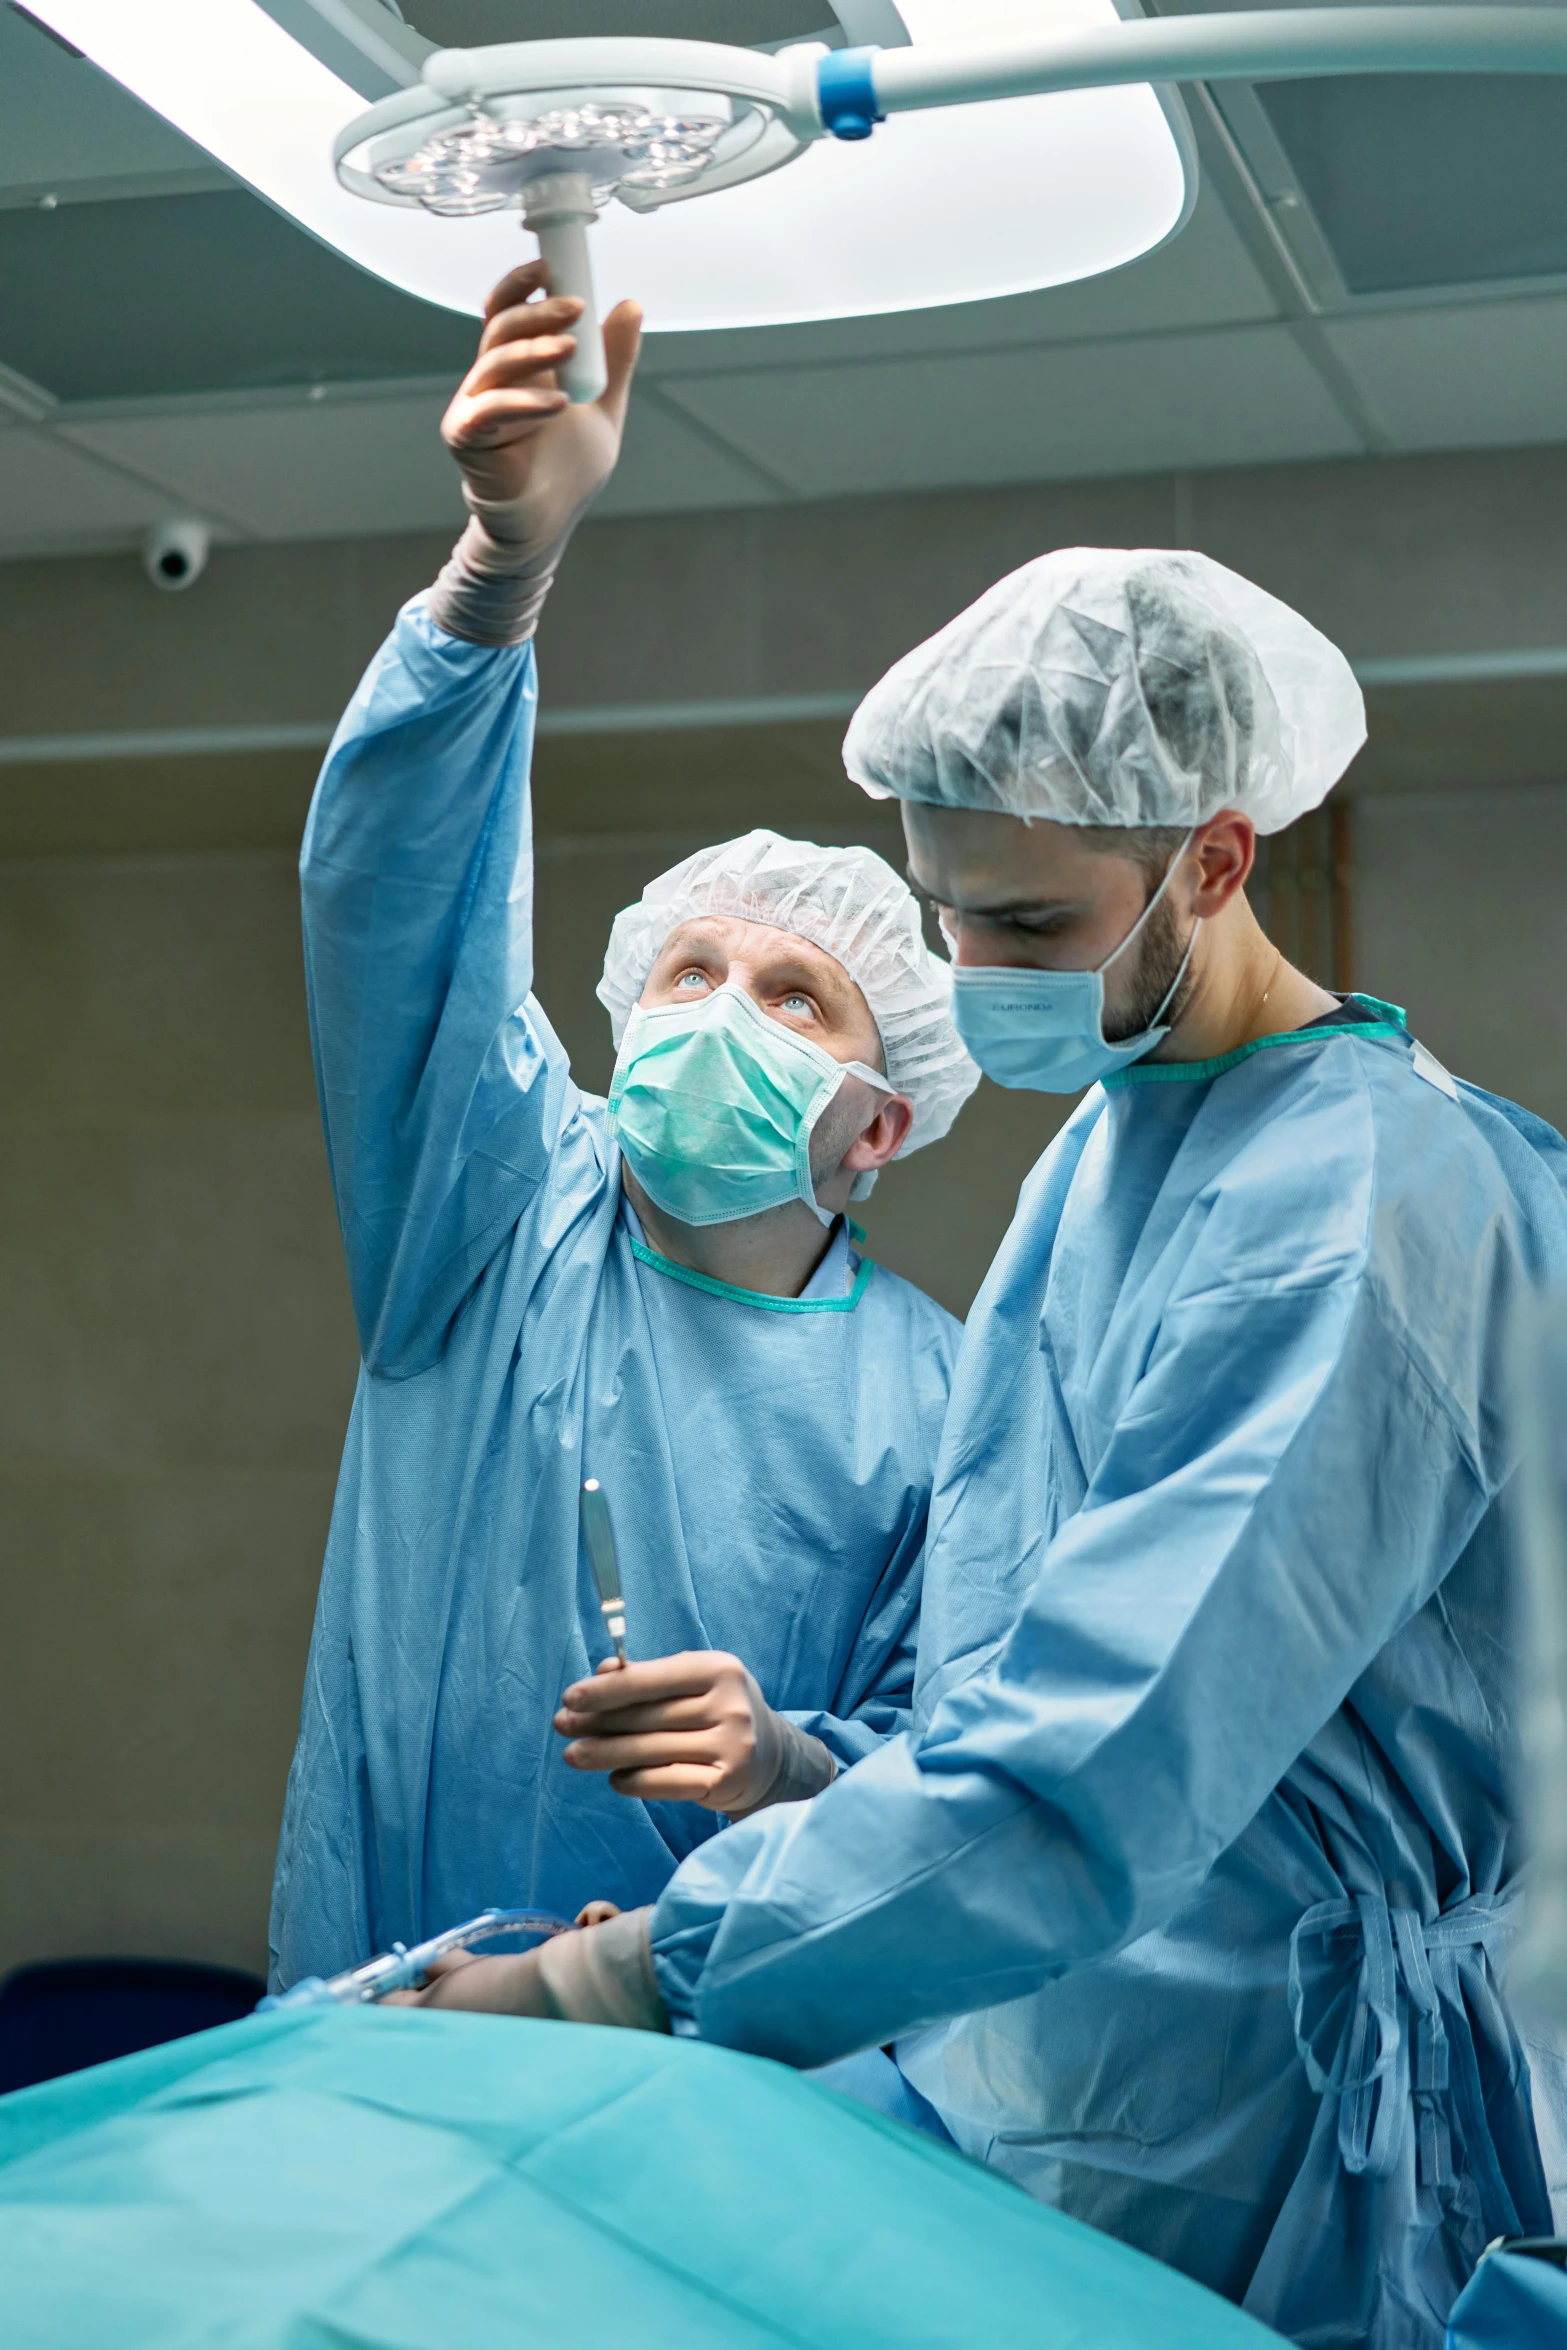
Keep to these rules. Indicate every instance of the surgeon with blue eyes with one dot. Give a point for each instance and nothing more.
(1189, 1895)
(662, 1292)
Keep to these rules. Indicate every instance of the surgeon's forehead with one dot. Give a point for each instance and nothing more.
(985, 891)
(756, 942)
(981, 863)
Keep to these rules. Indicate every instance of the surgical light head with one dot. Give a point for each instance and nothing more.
(557, 129)
(640, 140)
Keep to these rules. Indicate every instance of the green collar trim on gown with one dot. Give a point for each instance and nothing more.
(756, 1297)
(1183, 1072)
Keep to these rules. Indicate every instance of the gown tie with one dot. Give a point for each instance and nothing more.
(1395, 2040)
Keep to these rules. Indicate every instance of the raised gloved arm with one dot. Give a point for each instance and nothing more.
(532, 463)
(693, 1728)
(441, 1093)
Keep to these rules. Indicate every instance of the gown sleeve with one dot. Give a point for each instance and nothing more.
(1298, 1465)
(442, 1086)
(875, 1699)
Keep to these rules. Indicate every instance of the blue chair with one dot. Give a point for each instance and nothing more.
(65, 2013)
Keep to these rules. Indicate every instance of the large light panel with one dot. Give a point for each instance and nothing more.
(948, 206)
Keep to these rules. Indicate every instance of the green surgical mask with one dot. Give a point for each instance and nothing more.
(714, 1105)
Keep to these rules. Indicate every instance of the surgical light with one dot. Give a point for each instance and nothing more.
(984, 200)
(556, 129)
(1026, 142)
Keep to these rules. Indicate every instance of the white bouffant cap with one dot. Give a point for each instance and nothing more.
(1112, 685)
(847, 901)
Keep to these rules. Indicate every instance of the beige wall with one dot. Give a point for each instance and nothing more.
(176, 1349)
(176, 1353)
(175, 1362)
(1460, 917)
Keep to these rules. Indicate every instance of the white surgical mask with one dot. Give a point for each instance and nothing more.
(1045, 1029)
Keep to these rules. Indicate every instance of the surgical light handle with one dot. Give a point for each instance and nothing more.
(402, 1968)
(559, 209)
(1254, 45)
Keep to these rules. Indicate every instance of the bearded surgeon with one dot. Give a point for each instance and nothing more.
(663, 1292)
(1188, 1897)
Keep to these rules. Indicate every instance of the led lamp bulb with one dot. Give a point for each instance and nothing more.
(628, 139)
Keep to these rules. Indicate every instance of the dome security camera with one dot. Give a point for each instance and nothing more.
(174, 554)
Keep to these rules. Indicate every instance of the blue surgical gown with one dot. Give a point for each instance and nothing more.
(1203, 1833)
(768, 1462)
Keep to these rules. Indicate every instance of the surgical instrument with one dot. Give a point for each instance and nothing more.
(599, 1537)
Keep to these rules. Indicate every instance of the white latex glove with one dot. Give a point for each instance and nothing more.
(529, 458)
(484, 1986)
(532, 462)
(693, 1728)
(603, 1975)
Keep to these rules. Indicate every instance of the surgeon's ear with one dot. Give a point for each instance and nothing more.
(883, 1138)
(1225, 849)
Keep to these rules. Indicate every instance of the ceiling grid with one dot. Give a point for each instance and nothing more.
(170, 344)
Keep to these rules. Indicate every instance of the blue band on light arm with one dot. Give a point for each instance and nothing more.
(846, 92)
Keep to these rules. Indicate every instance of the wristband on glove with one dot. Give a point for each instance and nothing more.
(604, 1974)
(492, 587)
(792, 1765)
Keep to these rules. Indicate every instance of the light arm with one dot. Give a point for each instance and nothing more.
(1252, 46)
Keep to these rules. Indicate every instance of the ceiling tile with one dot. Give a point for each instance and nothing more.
(671, 465)
(1203, 277)
(53, 498)
(1475, 375)
(341, 467)
(1235, 396)
(62, 120)
(160, 296)
(331, 468)
(1430, 179)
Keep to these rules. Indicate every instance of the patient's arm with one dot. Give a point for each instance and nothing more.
(600, 1975)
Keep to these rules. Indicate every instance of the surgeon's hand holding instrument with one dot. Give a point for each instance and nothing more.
(404, 1966)
(599, 1537)
(691, 1728)
(757, 1756)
